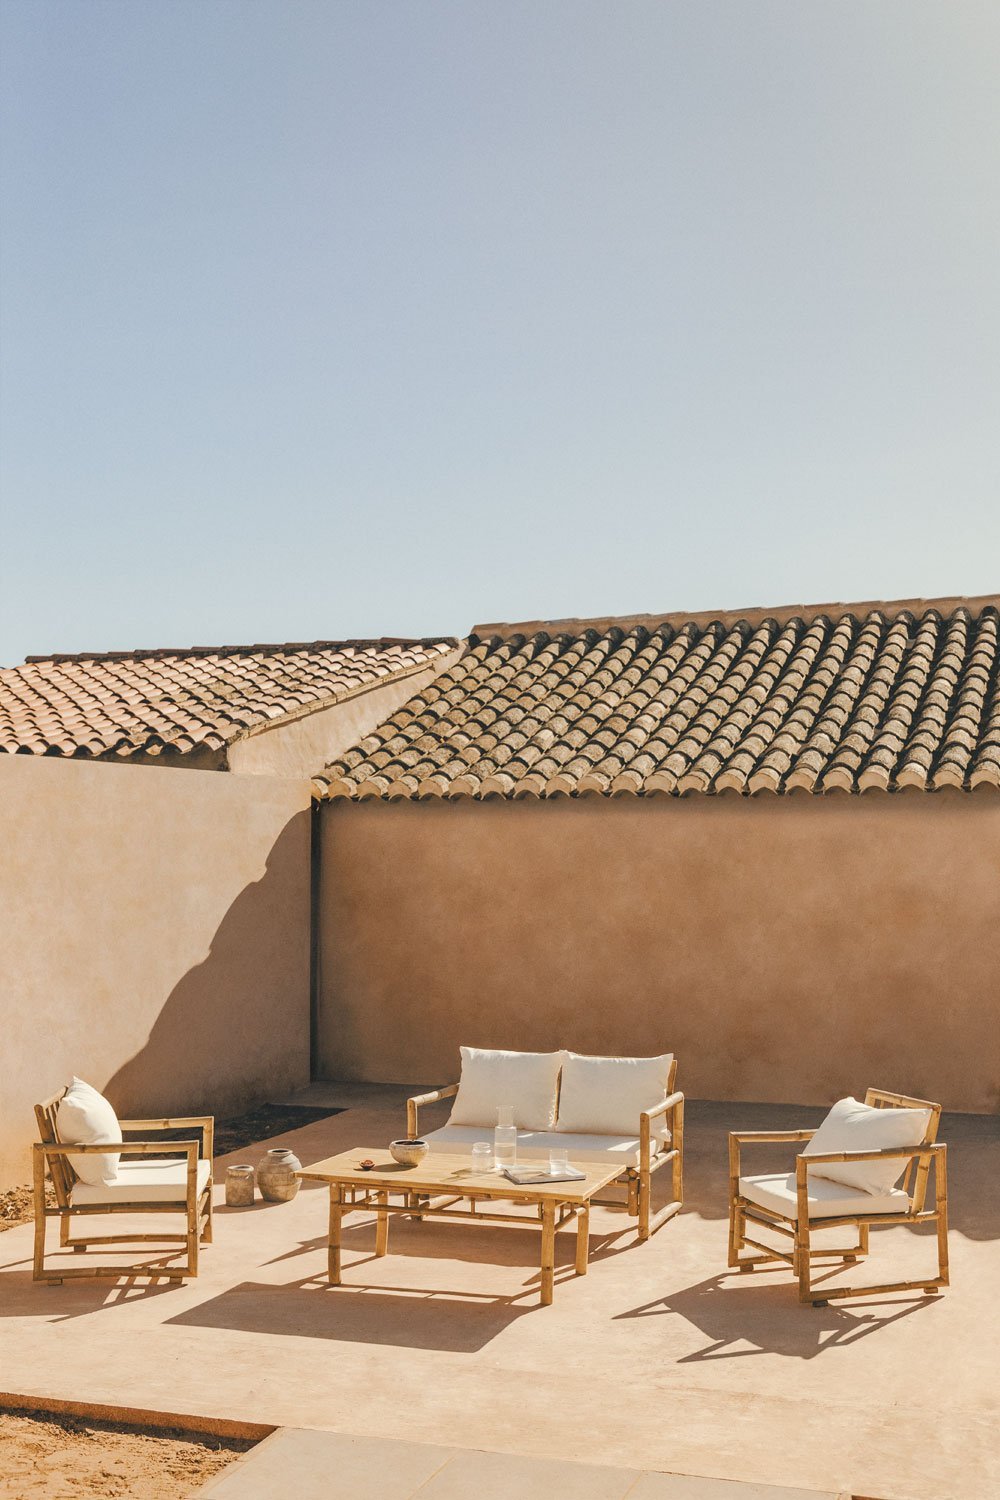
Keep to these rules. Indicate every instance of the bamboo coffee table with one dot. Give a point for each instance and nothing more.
(445, 1187)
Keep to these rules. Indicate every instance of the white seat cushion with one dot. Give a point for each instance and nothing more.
(459, 1140)
(143, 1180)
(85, 1118)
(852, 1126)
(528, 1081)
(606, 1095)
(827, 1200)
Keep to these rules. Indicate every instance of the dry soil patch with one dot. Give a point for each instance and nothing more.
(70, 1457)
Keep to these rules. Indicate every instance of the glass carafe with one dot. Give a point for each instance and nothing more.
(505, 1137)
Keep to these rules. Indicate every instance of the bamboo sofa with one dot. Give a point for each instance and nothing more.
(179, 1186)
(817, 1197)
(597, 1109)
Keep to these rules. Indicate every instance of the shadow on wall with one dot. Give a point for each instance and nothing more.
(235, 1029)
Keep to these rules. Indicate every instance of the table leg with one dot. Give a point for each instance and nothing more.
(582, 1238)
(548, 1250)
(381, 1225)
(333, 1249)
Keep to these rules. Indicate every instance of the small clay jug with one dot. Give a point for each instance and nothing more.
(276, 1175)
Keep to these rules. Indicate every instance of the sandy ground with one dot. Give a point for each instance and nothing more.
(17, 1207)
(62, 1457)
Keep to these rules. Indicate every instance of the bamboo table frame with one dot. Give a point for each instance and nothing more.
(437, 1189)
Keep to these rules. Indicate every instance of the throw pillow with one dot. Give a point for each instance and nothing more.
(528, 1081)
(605, 1095)
(85, 1118)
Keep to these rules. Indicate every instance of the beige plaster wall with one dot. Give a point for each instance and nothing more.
(787, 949)
(154, 939)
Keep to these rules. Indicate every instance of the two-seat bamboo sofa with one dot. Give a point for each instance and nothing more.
(616, 1110)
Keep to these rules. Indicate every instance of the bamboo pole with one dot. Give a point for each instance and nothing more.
(582, 1238)
(548, 1251)
(333, 1249)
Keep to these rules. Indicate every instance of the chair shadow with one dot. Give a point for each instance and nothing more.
(769, 1318)
(80, 1297)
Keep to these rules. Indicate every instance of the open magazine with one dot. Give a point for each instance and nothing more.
(526, 1176)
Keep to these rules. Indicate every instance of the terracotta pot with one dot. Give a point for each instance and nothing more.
(276, 1175)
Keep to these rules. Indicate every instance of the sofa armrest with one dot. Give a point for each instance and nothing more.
(413, 1105)
(672, 1105)
(671, 1102)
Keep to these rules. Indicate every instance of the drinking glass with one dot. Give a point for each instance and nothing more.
(482, 1157)
(558, 1159)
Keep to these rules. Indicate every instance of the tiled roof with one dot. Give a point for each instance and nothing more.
(176, 701)
(834, 698)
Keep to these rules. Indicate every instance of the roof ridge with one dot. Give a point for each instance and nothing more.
(753, 615)
(162, 653)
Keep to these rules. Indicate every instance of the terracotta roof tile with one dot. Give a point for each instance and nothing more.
(846, 699)
(175, 702)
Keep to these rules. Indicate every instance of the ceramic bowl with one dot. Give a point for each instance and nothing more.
(408, 1153)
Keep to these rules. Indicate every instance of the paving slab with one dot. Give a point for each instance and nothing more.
(318, 1465)
(692, 1487)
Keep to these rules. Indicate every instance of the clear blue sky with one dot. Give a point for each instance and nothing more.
(326, 319)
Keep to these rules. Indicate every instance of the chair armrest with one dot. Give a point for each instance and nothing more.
(740, 1138)
(748, 1137)
(413, 1104)
(179, 1122)
(119, 1148)
(44, 1151)
(935, 1153)
(886, 1153)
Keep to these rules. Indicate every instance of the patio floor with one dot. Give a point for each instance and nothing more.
(658, 1359)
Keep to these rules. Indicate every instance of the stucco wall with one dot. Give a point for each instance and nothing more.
(787, 949)
(154, 939)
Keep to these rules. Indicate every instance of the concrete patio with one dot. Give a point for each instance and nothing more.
(659, 1359)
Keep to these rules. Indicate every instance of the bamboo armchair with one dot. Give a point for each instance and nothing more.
(798, 1225)
(50, 1154)
(653, 1154)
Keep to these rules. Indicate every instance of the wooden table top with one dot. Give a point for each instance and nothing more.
(441, 1172)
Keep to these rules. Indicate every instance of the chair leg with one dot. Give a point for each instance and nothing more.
(644, 1205)
(206, 1233)
(38, 1193)
(941, 1204)
(192, 1239)
(801, 1258)
(735, 1232)
(678, 1144)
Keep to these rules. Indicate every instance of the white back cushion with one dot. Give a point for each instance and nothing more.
(85, 1118)
(528, 1081)
(851, 1126)
(605, 1095)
